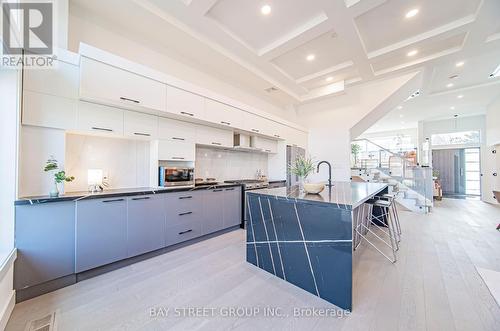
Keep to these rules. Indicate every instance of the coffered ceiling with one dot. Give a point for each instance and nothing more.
(311, 49)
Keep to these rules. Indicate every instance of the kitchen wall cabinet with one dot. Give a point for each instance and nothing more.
(232, 212)
(213, 210)
(146, 222)
(266, 145)
(45, 241)
(103, 83)
(176, 130)
(139, 125)
(100, 119)
(206, 135)
(176, 150)
(50, 97)
(256, 124)
(219, 113)
(101, 232)
(183, 103)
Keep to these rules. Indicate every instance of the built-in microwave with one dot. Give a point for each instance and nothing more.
(176, 176)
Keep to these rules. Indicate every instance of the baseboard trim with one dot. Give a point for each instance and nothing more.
(5, 315)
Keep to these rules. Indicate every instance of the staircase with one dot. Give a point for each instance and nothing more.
(373, 163)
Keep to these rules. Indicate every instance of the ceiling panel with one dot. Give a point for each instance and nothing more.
(328, 49)
(476, 70)
(432, 47)
(386, 24)
(330, 78)
(244, 20)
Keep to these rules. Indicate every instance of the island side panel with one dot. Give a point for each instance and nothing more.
(306, 244)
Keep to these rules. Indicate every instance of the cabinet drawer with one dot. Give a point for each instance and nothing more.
(181, 202)
(100, 119)
(185, 103)
(185, 217)
(176, 130)
(140, 125)
(111, 85)
(176, 150)
(183, 232)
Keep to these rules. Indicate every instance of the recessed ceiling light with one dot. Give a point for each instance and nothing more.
(460, 96)
(310, 57)
(401, 115)
(400, 107)
(452, 107)
(412, 13)
(329, 79)
(412, 53)
(265, 10)
(449, 85)
(460, 64)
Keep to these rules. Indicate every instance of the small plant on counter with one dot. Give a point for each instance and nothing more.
(302, 167)
(59, 176)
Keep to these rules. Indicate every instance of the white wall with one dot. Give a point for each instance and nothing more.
(330, 122)
(82, 28)
(228, 164)
(125, 162)
(493, 123)
(492, 160)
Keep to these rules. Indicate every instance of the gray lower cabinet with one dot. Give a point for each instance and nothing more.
(45, 241)
(145, 224)
(101, 232)
(213, 210)
(184, 216)
(232, 207)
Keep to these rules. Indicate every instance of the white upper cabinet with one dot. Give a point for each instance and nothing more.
(256, 124)
(219, 113)
(296, 138)
(266, 145)
(104, 83)
(176, 150)
(50, 97)
(176, 130)
(183, 103)
(140, 125)
(100, 119)
(206, 135)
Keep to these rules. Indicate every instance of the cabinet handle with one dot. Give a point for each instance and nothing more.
(131, 100)
(177, 158)
(177, 138)
(268, 150)
(220, 190)
(227, 123)
(101, 129)
(142, 134)
(277, 135)
(230, 189)
(144, 198)
(186, 113)
(187, 231)
(186, 213)
(218, 144)
(255, 130)
(187, 197)
(114, 200)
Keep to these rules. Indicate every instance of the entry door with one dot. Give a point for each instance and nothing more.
(450, 163)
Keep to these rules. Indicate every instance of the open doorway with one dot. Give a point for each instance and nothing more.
(459, 171)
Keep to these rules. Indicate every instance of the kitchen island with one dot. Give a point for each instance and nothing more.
(307, 239)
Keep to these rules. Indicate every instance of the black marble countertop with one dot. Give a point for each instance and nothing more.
(113, 193)
(342, 194)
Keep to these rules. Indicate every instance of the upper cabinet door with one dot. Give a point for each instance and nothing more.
(140, 125)
(185, 103)
(176, 130)
(206, 135)
(100, 119)
(257, 124)
(223, 114)
(104, 83)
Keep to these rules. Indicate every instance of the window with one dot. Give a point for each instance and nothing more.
(456, 138)
(472, 171)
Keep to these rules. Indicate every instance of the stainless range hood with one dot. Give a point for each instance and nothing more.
(242, 142)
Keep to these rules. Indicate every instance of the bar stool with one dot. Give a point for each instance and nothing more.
(363, 228)
(392, 198)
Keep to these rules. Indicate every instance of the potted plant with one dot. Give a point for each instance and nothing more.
(355, 149)
(302, 167)
(59, 176)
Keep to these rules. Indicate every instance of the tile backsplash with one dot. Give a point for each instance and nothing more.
(228, 164)
(125, 162)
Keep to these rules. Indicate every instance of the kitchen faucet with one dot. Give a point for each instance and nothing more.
(329, 172)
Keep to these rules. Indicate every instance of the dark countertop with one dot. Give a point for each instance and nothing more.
(113, 193)
(350, 194)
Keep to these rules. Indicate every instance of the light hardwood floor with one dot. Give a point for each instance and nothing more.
(433, 286)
